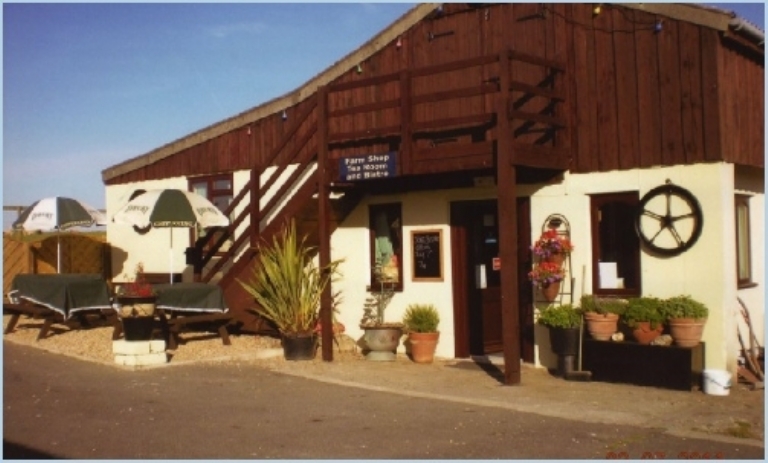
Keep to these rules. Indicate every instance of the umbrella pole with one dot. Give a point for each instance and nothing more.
(170, 275)
(58, 251)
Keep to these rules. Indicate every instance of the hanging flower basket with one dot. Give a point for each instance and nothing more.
(552, 246)
(547, 277)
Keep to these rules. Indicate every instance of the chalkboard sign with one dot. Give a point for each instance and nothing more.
(427, 255)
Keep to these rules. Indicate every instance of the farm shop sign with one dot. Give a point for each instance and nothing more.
(367, 167)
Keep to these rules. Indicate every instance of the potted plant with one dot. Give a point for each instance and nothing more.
(136, 306)
(552, 247)
(563, 322)
(645, 317)
(546, 276)
(602, 315)
(287, 285)
(381, 337)
(686, 318)
(421, 321)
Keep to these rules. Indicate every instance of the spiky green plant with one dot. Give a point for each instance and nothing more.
(421, 318)
(287, 284)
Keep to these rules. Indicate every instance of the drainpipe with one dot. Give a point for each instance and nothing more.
(750, 31)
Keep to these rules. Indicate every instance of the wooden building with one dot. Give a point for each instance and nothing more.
(473, 126)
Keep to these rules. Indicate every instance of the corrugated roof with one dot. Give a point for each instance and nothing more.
(708, 16)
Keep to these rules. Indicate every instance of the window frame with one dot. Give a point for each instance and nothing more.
(596, 201)
(391, 210)
(210, 194)
(741, 202)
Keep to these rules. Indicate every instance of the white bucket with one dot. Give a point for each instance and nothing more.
(717, 382)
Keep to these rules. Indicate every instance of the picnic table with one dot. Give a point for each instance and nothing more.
(180, 305)
(56, 298)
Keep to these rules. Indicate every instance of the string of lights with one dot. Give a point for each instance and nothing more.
(655, 26)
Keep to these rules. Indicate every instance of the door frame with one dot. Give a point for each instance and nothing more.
(462, 278)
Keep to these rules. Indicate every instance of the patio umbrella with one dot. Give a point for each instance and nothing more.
(58, 213)
(170, 208)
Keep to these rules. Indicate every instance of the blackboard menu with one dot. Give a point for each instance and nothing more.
(427, 255)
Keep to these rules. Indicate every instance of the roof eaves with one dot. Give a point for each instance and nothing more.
(399, 27)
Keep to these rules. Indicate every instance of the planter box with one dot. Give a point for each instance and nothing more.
(669, 367)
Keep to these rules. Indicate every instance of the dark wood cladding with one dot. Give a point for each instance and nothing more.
(587, 93)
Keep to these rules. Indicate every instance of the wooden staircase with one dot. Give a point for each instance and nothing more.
(526, 109)
(283, 188)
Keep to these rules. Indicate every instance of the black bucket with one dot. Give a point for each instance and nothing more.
(138, 328)
(299, 347)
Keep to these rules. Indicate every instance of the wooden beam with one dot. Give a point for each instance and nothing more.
(537, 60)
(453, 123)
(466, 92)
(323, 223)
(507, 206)
(539, 118)
(373, 132)
(365, 108)
(544, 157)
(455, 150)
(406, 124)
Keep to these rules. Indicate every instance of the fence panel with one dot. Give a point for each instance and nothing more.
(80, 253)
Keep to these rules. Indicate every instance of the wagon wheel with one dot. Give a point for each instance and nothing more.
(666, 229)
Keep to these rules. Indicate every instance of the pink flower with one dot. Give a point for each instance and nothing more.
(550, 242)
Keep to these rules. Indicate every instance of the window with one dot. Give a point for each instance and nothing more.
(218, 190)
(615, 245)
(743, 261)
(386, 245)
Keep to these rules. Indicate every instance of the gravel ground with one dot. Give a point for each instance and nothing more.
(95, 344)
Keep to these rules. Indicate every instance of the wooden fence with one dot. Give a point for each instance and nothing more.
(80, 253)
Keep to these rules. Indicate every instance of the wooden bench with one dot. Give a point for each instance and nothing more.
(49, 317)
(670, 367)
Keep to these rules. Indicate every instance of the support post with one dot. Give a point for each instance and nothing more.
(507, 205)
(323, 221)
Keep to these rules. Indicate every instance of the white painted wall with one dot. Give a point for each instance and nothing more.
(425, 210)
(706, 271)
(153, 249)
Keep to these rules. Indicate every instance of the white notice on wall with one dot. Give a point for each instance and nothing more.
(480, 280)
(608, 275)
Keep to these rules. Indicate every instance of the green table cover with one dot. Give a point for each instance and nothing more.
(65, 294)
(192, 297)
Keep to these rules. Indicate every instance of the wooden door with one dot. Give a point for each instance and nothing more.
(476, 275)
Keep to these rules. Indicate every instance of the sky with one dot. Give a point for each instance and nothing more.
(88, 85)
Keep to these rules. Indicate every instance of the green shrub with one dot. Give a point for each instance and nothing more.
(421, 318)
(644, 309)
(602, 305)
(560, 316)
(684, 307)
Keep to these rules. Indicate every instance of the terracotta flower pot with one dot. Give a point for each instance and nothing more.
(601, 326)
(423, 346)
(551, 291)
(687, 332)
(644, 334)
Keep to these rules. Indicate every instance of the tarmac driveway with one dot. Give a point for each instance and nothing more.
(55, 406)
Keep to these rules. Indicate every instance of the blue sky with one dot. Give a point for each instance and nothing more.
(86, 86)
